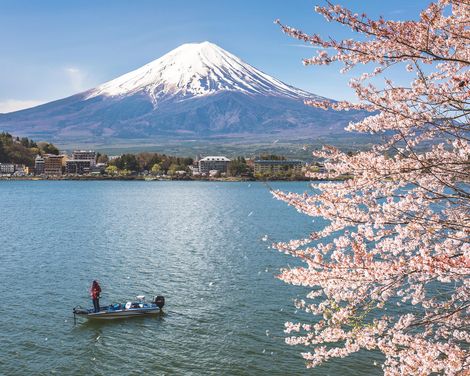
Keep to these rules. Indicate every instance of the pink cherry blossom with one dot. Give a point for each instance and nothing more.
(390, 271)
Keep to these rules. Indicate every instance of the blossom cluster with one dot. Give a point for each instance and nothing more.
(390, 271)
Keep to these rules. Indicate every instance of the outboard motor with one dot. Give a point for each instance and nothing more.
(80, 311)
(160, 301)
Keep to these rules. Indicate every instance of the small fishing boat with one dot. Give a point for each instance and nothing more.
(122, 310)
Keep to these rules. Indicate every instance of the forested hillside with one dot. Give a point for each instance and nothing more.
(22, 150)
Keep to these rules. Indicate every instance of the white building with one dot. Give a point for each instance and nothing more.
(7, 168)
(81, 155)
(209, 163)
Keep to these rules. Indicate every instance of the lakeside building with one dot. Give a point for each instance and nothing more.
(39, 165)
(7, 168)
(29, 170)
(19, 170)
(209, 163)
(99, 168)
(81, 155)
(268, 166)
(53, 164)
(78, 166)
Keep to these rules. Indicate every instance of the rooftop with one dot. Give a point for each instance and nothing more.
(278, 161)
(215, 158)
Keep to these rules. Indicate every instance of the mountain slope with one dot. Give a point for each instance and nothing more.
(195, 91)
(195, 70)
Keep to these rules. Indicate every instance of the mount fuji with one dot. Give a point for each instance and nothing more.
(196, 91)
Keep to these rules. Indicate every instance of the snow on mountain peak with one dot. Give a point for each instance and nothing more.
(194, 70)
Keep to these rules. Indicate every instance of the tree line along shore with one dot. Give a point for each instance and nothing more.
(24, 159)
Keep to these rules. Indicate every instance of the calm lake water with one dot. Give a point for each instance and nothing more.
(197, 243)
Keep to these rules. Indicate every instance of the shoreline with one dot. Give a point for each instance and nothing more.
(146, 178)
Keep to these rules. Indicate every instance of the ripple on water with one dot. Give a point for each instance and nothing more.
(199, 244)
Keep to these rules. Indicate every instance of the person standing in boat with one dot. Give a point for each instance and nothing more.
(95, 292)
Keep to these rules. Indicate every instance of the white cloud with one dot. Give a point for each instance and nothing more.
(76, 77)
(70, 79)
(11, 105)
(305, 46)
(77, 82)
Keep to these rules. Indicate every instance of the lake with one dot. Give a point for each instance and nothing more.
(200, 244)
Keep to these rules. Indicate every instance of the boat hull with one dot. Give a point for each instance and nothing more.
(128, 313)
(119, 311)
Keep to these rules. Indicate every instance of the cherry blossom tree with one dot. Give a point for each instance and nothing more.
(390, 270)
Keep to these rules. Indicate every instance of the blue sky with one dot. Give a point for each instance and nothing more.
(51, 49)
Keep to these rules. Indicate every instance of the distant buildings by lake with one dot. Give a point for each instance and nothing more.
(86, 163)
(84, 155)
(271, 166)
(82, 162)
(78, 166)
(79, 163)
(39, 165)
(211, 163)
(22, 157)
(53, 164)
(7, 168)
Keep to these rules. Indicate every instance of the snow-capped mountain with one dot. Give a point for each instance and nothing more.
(197, 90)
(196, 70)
